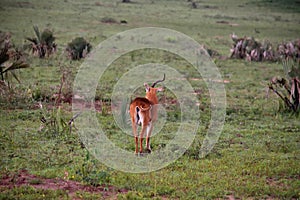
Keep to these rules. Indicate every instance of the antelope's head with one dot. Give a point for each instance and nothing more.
(151, 90)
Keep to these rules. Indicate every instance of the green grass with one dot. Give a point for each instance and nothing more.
(258, 153)
(27, 192)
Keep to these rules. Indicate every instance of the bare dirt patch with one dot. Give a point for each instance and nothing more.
(24, 178)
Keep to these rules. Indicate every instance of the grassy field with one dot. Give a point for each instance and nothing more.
(257, 155)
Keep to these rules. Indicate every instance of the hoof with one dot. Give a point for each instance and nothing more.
(139, 154)
(148, 151)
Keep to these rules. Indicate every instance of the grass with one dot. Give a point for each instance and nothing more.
(25, 192)
(257, 155)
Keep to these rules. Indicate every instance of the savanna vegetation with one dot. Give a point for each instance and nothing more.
(254, 44)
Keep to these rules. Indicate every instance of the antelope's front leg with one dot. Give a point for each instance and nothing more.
(136, 145)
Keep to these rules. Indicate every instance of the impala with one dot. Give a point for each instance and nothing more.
(143, 111)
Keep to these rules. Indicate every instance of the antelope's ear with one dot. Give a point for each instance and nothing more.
(160, 89)
(147, 87)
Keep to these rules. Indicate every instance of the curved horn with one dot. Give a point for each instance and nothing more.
(153, 85)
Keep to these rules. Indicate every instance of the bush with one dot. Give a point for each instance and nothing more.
(78, 48)
(108, 20)
(289, 50)
(250, 49)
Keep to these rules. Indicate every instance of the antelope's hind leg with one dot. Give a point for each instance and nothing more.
(149, 130)
(134, 128)
(134, 119)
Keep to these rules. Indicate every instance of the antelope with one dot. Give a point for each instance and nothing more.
(143, 111)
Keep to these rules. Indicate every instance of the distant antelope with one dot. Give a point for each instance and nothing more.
(143, 111)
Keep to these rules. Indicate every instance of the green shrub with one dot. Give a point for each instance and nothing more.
(78, 48)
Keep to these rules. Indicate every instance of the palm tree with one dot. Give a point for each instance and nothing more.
(288, 89)
(11, 59)
(42, 44)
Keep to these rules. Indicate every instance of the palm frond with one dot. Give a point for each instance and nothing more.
(37, 33)
(15, 65)
(33, 40)
(4, 48)
(15, 76)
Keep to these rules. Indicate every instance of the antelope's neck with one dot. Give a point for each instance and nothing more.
(152, 99)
